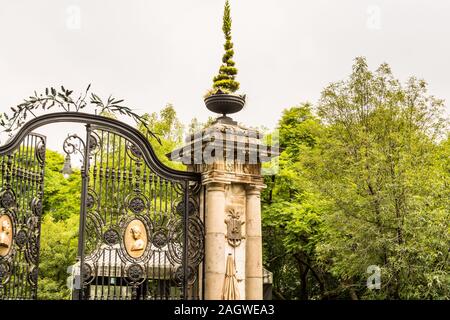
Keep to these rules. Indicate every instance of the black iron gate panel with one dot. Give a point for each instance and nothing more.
(143, 234)
(21, 192)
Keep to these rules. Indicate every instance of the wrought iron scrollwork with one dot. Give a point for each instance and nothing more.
(40, 151)
(32, 249)
(125, 183)
(75, 144)
(133, 151)
(21, 238)
(90, 201)
(95, 143)
(180, 275)
(111, 237)
(5, 272)
(36, 206)
(88, 273)
(93, 231)
(33, 276)
(135, 272)
(175, 246)
(135, 231)
(160, 238)
(180, 207)
(20, 215)
(137, 203)
(195, 243)
(195, 187)
(7, 199)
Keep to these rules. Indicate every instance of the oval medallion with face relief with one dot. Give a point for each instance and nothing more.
(6, 235)
(135, 238)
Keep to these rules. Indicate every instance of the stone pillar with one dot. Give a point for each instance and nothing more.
(228, 157)
(215, 242)
(253, 257)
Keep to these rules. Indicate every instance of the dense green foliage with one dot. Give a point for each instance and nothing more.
(225, 80)
(59, 229)
(363, 182)
(169, 131)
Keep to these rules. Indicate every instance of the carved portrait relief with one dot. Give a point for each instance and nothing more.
(135, 238)
(6, 235)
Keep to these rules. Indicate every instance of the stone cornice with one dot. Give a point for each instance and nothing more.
(217, 176)
(227, 142)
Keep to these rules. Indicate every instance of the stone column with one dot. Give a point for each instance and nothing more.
(215, 241)
(253, 263)
(233, 182)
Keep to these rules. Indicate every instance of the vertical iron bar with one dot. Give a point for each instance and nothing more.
(28, 190)
(119, 180)
(36, 194)
(20, 211)
(203, 189)
(79, 295)
(27, 208)
(14, 186)
(185, 240)
(40, 170)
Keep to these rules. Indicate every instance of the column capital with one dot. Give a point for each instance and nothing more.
(254, 189)
(215, 186)
(228, 177)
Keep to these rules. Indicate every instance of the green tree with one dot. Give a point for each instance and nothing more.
(292, 211)
(168, 128)
(59, 229)
(225, 80)
(388, 190)
(61, 195)
(196, 126)
(59, 240)
(364, 182)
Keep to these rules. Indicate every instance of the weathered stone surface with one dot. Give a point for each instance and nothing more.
(229, 157)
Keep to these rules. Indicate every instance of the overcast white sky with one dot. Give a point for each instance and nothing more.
(152, 52)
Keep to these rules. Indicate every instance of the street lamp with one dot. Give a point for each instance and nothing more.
(67, 168)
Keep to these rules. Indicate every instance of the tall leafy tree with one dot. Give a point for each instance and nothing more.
(363, 183)
(389, 203)
(292, 211)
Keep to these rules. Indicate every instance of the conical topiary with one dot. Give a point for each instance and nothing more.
(225, 80)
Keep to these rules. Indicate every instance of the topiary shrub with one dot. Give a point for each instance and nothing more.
(225, 80)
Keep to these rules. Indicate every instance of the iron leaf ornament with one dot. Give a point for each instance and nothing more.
(62, 99)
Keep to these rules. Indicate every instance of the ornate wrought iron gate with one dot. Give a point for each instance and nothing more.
(22, 179)
(141, 232)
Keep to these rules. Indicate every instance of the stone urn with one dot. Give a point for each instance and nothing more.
(224, 103)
